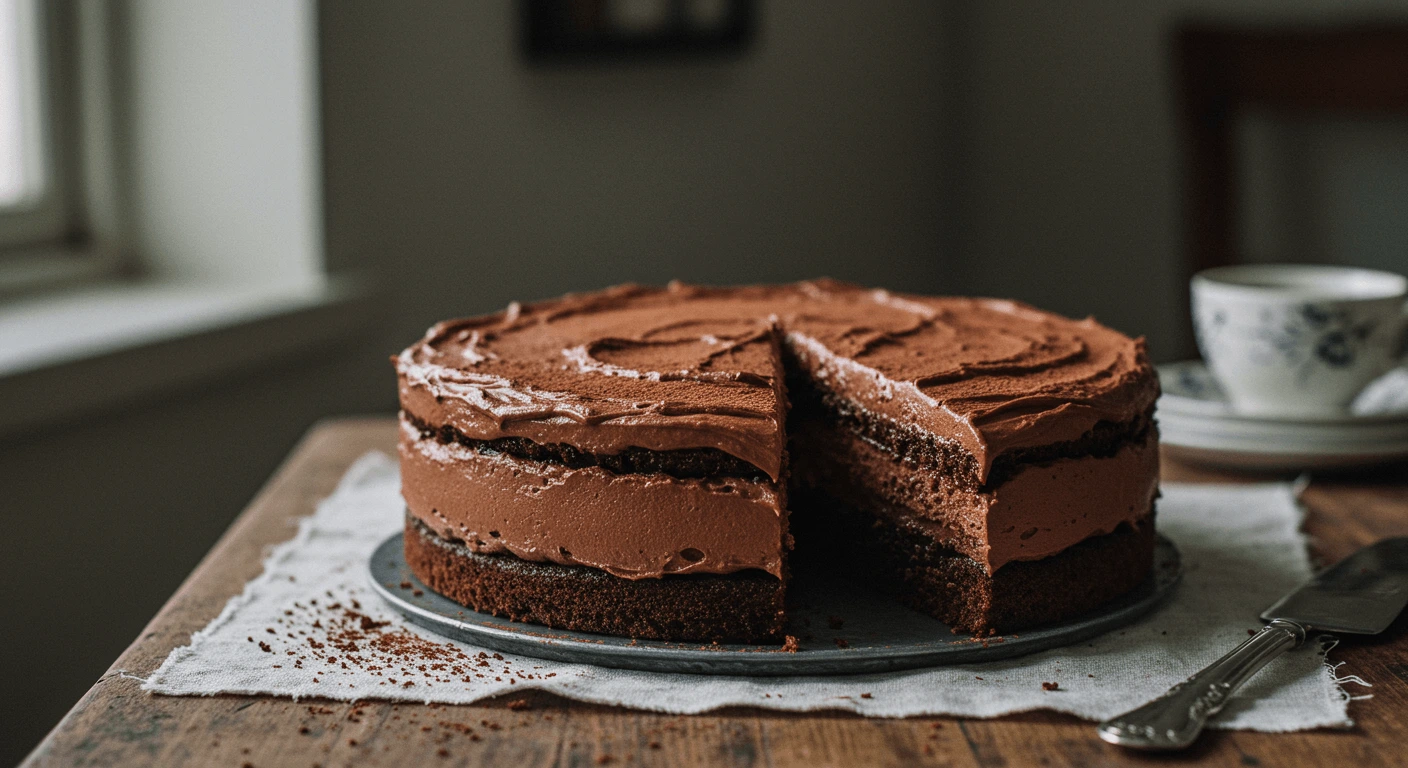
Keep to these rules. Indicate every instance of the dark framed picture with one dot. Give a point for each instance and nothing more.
(586, 30)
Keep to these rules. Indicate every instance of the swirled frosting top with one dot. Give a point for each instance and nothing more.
(693, 367)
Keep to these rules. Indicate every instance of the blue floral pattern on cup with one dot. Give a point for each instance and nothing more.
(1302, 336)
(1314, 332)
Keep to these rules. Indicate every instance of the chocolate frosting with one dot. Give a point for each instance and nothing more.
(694, 367)
(634, 526)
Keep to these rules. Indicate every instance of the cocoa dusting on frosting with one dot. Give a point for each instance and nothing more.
(695, 367)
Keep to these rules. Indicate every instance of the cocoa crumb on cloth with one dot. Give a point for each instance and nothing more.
(342, 638)
(1050, 686)
(790, 645)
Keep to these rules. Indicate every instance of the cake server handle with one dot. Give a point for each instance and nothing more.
(1174, 720)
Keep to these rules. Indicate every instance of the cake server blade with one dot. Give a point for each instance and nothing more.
(1362, 595)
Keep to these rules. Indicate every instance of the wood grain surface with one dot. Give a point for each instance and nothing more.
(115, 724)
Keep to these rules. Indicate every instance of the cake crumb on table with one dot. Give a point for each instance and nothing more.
(1050, 686)
(790, 644)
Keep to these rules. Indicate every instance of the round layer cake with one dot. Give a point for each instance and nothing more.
(637, 461)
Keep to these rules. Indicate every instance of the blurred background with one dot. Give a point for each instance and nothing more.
(219, 219)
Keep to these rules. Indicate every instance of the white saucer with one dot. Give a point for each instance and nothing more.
(1196, 422)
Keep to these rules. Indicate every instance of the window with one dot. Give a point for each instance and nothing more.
(163, 226)
(33, 204)
(17, 64)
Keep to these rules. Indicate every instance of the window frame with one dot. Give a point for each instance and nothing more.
(178, 305)
(48, 217)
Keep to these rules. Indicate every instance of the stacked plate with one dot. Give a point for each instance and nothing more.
(1197, 422)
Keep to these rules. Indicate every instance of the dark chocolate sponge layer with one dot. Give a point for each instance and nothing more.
(956, 590)
(744, 607)
(683, 462)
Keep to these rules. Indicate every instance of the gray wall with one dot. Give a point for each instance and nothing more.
(105, 517)
(469, 179)
(1071, 168)
(458, 179)
(1325, 189)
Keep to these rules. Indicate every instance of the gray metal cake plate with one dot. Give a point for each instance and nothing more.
(879, 634)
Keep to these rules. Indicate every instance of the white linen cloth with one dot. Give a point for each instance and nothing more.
(296, 627)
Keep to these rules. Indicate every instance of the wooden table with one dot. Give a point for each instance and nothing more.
(116, 724)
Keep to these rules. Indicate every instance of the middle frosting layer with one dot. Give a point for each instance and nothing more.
(630, 525)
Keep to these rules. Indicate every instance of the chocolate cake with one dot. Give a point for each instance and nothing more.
(627, 461)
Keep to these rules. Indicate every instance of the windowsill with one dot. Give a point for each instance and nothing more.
(87, 349)
(30, 270)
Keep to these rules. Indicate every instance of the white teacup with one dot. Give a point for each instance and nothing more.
(1298, 340)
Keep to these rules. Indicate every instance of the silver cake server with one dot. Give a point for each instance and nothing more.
(1361, 595)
